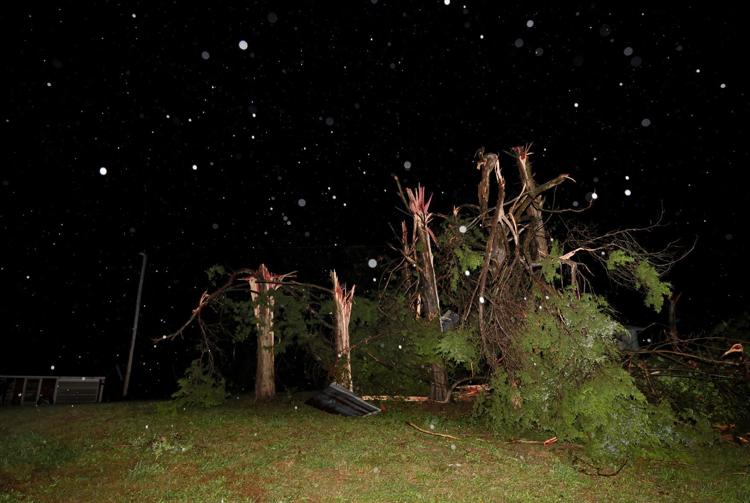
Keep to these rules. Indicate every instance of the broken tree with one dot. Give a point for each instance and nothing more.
(428, 304)
(342, 301)
(261, 284)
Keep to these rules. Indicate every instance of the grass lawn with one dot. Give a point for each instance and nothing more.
(287, 451)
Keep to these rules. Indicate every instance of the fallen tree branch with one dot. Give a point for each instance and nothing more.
(545, 443)
(599, 471)
(431, 432)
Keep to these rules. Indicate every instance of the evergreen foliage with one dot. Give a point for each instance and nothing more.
(198, 388)
(644, 276)
(647, 278)
(551, 264)
(570, 383)
(392, 349)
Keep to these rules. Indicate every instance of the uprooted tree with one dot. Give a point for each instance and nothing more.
(530, 323)
(499, 291)
(507, 247)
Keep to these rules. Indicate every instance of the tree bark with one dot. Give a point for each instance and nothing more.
(537, 240)
(438, 383)
(343, 301)
(430, 300)
(265, 385)
(265, 378)
(483, 189)
(491, 163)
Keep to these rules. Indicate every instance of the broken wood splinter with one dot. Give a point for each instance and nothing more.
(431, 432)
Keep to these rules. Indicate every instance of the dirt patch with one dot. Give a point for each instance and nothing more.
(9, 483)
(246, 485)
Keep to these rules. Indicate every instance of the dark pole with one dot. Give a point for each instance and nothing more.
(135, 328)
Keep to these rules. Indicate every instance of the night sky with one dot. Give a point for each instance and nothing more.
(269, 133)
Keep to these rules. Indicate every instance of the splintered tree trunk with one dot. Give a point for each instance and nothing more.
(265, 382)
(483, 190)
(343, 310)
(537, 239)
(430, 301)
(428, 290)
(490, 162)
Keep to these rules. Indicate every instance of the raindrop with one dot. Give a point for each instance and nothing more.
(272, 17)
(407, 165)
(205, 55)
(102, 171)
(243, 45)
(372, 263)
(646, 122)
(628, 51)
(518, 43)
(462, 229)
(530, 23)
(301, 203)
(627, 192)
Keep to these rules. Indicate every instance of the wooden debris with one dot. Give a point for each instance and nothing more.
(545, 443)
(445, 435)
(394, 398)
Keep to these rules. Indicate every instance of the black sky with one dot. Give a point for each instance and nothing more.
(269, 131)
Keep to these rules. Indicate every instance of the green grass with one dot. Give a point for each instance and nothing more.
(275, 452)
